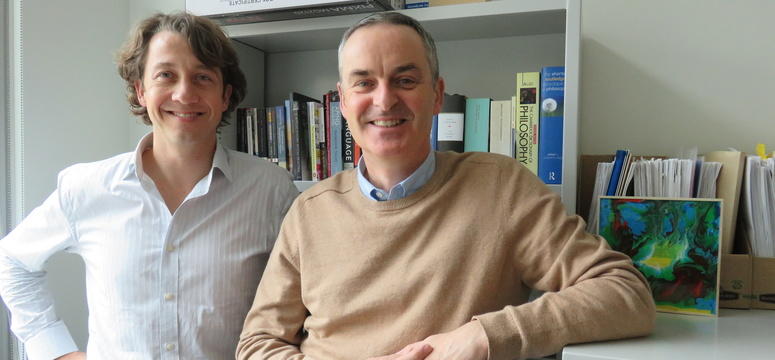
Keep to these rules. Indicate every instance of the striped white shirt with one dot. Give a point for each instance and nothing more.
(158, 285)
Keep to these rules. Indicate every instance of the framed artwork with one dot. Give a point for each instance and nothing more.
(675, 245)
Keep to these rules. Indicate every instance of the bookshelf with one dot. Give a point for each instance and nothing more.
(481, 47)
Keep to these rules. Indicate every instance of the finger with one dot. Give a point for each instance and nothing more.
(416, 351)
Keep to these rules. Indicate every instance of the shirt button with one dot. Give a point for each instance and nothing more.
(168, 296)
(380, 195)
(170, 248)
(169, 346)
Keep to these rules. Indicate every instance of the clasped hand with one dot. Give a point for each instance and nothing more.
(467, 342)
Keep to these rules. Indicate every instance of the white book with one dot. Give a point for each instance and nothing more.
(501, 141)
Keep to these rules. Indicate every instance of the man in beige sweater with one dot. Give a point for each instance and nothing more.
(424, 255)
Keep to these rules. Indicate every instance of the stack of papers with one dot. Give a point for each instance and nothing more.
(675, 178)
(759, 205)
(664, 178)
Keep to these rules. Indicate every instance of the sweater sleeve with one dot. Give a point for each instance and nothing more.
(592, 293)
(273, 326)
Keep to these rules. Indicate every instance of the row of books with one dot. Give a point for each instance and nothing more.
(529, 127)
(308, 137)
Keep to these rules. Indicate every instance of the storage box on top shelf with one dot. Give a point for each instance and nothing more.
(242, 12)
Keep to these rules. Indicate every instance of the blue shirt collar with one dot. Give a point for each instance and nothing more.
(403, 189)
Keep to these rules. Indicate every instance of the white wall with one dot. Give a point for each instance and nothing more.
(70, 111)
(657, 74)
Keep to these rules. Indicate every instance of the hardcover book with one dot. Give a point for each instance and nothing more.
(477, 125)
(303, 134)
(501, 136)
(348, 147)
(674, 243)
(526, 120)
(335, 137)
(550, 137)
(282, 151)
(451, 126)
(271, 134)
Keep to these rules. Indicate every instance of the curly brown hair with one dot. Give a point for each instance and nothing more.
(208, 42)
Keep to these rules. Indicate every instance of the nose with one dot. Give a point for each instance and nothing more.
(185, 92)
(384, 97)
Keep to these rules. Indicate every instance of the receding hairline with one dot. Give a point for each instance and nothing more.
(399, 68)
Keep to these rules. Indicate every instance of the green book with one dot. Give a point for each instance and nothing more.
(477, 125)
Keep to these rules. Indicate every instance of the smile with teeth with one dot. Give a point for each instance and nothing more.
(185, 114)
(388, 123)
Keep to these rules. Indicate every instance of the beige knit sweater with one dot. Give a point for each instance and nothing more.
(351, 278)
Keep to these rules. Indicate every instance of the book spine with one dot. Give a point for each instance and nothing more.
(526, 120)
(327, 122)
(240, 121)
(271, 134)
(513, 127)
(261, 130)
(347, 147)
(282, 157)
(477, 125)
(451, 128)
(321, 141)
(550, 124)
(250, 130)
(435, 133)
(296, 140)
(313, 143)
(614, 181)
(304, 148)
(500, 128)
(336, 135)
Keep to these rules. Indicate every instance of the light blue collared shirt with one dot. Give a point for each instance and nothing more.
(403, 189)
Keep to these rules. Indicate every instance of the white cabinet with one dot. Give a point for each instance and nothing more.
(481, 47)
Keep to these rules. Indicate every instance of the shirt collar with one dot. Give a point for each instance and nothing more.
(404, 188)
(220, 158)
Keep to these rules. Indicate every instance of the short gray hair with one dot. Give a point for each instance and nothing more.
(395, 18)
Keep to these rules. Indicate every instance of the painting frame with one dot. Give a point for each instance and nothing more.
(674, 242)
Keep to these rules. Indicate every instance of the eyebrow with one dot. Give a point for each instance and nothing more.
(397, 70)
(169, 64)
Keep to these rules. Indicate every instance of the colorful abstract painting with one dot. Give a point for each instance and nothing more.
(674, 243)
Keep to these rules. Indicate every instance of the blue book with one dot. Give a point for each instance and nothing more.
(550, 132)
(435, 133)
(617, 170)
(477, 126)
(336, 134)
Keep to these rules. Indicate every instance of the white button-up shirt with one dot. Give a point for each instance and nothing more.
(159, 285)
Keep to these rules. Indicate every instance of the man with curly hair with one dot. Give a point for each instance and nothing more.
(174, 235)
